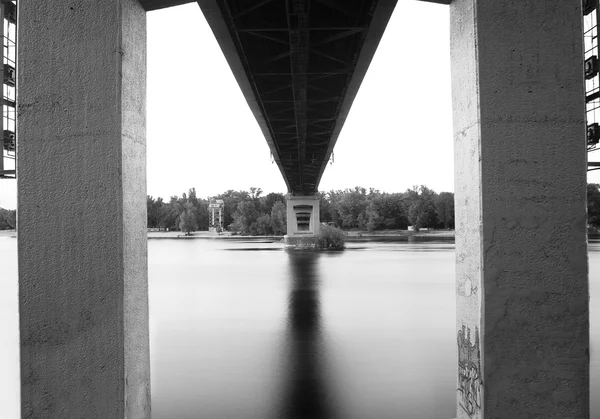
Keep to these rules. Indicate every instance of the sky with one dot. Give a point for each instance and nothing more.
(201, 132)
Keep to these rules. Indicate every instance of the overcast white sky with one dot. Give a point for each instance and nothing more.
(399, 132)
(202, 134)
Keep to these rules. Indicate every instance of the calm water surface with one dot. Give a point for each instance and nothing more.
(241, 329)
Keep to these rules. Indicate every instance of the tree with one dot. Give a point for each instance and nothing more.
(244, 217)
(279, 219)
(187, 220)
(157, 212)
(262, 225)
(200, 208)
(324, 208)
(352, 204)
(374, 220)
(593, 204)
(8, 219)
(162, 213)
(270, 200)
(444, 206)
(231, 199)
(176, 208)
(151, 213)
(421, 208)
(391, 207)
(330, 238)
(202, 215)
(334, 198)
(255, 192)
(192, 196)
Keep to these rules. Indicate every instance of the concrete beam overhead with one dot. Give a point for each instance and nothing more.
(438, 1)
(150, 5)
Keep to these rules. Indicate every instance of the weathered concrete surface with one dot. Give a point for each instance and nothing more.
(520, 164)
(302, 201)
(81, 210)
(299, 242)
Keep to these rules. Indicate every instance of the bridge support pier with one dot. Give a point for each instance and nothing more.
(520, 173)
(82, 210)
(303, 219)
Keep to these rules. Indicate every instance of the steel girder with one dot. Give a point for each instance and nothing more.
(299, 64)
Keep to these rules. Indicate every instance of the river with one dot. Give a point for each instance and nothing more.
(241, 329)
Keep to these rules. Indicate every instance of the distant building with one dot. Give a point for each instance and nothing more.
(215, 220)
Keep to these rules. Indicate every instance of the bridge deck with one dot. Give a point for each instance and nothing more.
(299, 64)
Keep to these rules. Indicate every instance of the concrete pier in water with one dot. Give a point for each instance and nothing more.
(303, 220)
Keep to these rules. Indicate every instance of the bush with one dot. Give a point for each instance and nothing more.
(331, 238)
(8, 219)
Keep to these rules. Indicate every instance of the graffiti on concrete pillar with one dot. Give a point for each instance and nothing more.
(467, 288)
(470, 384)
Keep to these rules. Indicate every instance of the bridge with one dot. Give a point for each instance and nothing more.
(300, 65)
(520, 174)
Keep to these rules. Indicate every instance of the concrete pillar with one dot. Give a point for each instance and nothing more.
(82, 210)
(520, 164)
(303, 218)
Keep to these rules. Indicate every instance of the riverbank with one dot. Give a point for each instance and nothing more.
(204, 235)
(352, 235)
(8, 233)
(402, 233)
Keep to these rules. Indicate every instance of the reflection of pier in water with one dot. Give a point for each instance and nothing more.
(305, 388)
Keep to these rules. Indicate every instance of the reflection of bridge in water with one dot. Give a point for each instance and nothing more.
(306, 393)
(520, 174)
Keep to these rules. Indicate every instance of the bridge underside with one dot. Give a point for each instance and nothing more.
(300, 64)
(150, 5)
(522, 288)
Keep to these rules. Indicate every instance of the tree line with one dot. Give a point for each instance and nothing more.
(252, 213)
(8, 219)
(593, 205)
(246, 212)
(373, 210)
